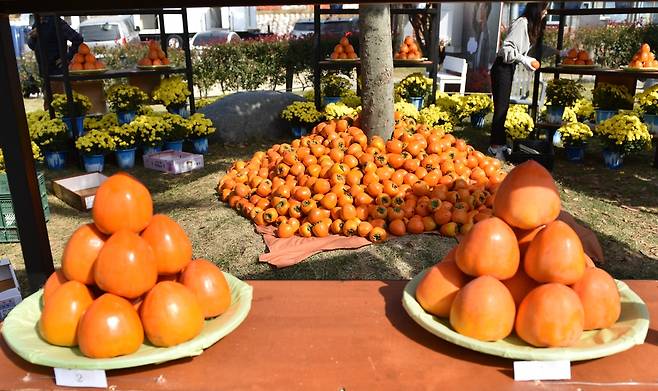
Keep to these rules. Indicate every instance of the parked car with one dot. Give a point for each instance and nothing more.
(329, 28)
(213, 37)
(109, 31)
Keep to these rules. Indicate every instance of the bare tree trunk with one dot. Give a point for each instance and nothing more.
(376, 70)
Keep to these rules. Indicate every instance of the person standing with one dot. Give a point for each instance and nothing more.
(47, 26)
(521, 36)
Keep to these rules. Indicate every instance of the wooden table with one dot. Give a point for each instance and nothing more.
(353, 335)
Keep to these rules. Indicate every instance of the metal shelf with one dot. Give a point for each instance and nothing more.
(603, 11)
(599, 71)
(355, 64)
(395, 11)
(144, 11)
(115, 74)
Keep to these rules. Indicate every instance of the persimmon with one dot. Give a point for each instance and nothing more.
(350, 227)
(54, 281)
(364, 228)
(551, 315)
(122, 202)
(208, 284)
(525, 236)
(600, 298)
(415, 225)
(483, 309)
(171, 314)
(58, 324)
(110, 327)
(171, 246)
(520, 285)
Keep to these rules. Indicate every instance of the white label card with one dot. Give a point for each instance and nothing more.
(80, 378)
(542, 370)
(89, 201)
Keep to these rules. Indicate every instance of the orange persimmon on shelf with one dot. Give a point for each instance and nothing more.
(122, 275)
(644, 58)
(344, 49)
(409, 50)
(84, 59)
(155, 56)
(336, 180)
(577, 57)
(548, 299)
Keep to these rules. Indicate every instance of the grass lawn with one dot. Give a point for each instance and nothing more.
(620, 206)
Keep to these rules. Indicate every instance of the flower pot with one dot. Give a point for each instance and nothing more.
(200, 145)
(175, 145)
(556, 138)
(554, 114)
(299, 130)
(417, 101)
(477, 119)
(330, 99)
(652, 122)
(126, 117)
(182, 111)
(93, 163)
(613, 159)
(55, 160)
(79, 123)
(151, 149)
(602, 115)
(125, 158)
(575, 153)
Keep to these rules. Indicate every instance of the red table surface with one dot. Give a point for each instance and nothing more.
(352, 335)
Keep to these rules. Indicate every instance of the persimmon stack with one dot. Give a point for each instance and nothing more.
(409, 50)
(522, 271)
(155, 56)
(337, 181)
(577, 57)
(135, 268)
(644, 58)
(84, 59)
(344, 50)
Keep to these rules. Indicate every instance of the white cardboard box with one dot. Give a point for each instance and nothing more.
(79, 191)
(173, 162)
(10, 294)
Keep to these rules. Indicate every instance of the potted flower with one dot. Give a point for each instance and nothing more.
(333, 87)
(574, 137)
(72, 117)
(125, 100)
(177, 131)
(609, 99)
(125, 141)
(561, 93)
(301, 115)
(648, 102)
(435, 117)
(151, 130)
(338, 111)
(584, 110)
(518, 123)
(101, 122)
(407, 111)
(414, 88)
(476, 106)
(36, 153)
(93, 146)
(200, 128)
(622, 134)
(173, 93)
(51, 137)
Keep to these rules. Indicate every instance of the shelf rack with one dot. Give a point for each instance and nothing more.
(556, 70)
(432, 64)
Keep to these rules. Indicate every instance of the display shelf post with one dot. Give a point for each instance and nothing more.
(68, 90)
(434, 46)
(188, 60)
(163, 36)
(317, 74)
(21, 173)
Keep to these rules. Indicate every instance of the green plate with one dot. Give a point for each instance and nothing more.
(87, 71)
(20, 332)
(629, 69)
(150, 67)
(630, 330)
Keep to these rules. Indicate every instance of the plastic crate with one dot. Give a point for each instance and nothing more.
(4, 184)
(8, 228)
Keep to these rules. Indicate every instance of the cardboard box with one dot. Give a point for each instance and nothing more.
(79, 191)
(10, 294)
(173, 162)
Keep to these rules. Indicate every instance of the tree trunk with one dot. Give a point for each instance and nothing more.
(376, 70)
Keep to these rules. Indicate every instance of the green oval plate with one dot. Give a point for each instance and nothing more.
(20, 332)
(630, 330)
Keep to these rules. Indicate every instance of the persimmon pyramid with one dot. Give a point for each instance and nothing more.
(644, 58)
(577, 57)
(155, 56)
(84, 59)
(409, 50)
(344, 50)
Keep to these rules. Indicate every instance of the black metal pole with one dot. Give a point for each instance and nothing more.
(163, 36)
(21, 172)
(188, 60)
(43, 68)
(318, 56)
(434, 47)
(560, 36)
(65, 77)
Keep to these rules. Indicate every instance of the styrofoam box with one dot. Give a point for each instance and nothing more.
(173, 162)
(10, 294)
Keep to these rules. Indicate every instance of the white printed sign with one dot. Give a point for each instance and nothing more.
(542, 370)
(80, 378)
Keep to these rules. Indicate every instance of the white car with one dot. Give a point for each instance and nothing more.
(109, 31)
(214, 37)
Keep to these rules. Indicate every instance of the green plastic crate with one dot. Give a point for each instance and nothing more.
(8, 229)
(4, 184)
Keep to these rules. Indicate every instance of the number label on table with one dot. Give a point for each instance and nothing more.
(542, 370)
(80, 378)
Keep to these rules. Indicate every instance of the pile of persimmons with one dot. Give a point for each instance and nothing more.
(337, 181)
(523, 271)
(128, 274)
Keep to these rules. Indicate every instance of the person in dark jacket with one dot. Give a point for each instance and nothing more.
(47, 26)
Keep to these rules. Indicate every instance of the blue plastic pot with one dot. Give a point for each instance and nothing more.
(613, 159)
(330, 99)
(126, 117)
(200, 145)
(575, 153)
(417, 101)
(602, 115)
(299, 131)
(176, 145)
(182, 111)
(477, 119)
(55, 160)
(80, 126)
(154, 149)
(125, 158)
(554, 114)
(93, 163)
(652, 122)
